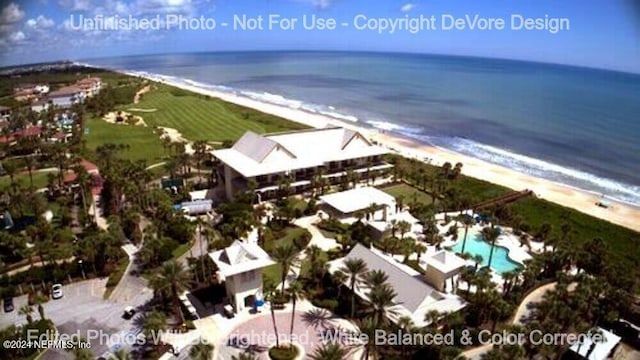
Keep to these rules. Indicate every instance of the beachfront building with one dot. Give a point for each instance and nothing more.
(90, 85)
(443, 266)
(348, 205)
(67, 96)
(298, 158)
(240, 266)
(415, 296)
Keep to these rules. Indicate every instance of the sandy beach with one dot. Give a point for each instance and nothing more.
(582, 200)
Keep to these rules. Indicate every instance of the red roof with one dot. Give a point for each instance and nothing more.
(28, 131)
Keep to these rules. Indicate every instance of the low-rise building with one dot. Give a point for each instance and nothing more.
(415, 297)
(301, 159)
(67, 96)
(5, 112)
(240, 265)
(90, 85)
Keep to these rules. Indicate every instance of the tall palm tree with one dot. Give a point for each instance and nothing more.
(403, 227)
(330, 351)
(354, 269)
(286, 256)
(295, 293)
(375, 278)
(467, 221)
(172, 279)
(269, 290)
(490, 235)
(201, 351)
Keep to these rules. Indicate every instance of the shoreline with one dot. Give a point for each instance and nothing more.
(619, 213)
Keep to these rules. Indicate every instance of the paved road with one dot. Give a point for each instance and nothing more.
(82, 309)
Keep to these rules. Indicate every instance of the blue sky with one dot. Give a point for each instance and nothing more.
(603, 33)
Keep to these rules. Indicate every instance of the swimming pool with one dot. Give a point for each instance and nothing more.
(477, 246)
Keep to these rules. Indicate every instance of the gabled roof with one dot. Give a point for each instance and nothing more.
(254, 154)
(414, 298)
(257, 147)
(410, 290)
(240, 257)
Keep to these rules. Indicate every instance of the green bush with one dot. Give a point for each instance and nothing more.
(283, 353)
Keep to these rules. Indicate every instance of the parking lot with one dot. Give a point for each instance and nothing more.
(81, 311)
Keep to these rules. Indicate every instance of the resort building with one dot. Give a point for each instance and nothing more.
(90, 85)
(301, 158)
(600, 346)
(415, 297)
(442, 266)
(240, 266)
(348, 205)
(67, 96)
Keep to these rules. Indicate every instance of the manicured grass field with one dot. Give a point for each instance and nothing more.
(143, 143)
(40, 180)
(408, 192)
(199, 117)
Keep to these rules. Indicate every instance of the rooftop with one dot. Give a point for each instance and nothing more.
(65, 91)
(357, 199)
(255, 154)
(415, 298)
(240, 257)
(602, 348)
(445, 261)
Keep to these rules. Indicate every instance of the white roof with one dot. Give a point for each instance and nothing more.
(445, 261)
(358, 199)
(255, 154)
(240, 257)
(602, 348)
(415, 298)
(198, 194)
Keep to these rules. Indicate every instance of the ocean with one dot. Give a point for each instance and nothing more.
(575, 126)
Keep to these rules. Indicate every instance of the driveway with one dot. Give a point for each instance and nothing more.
(82, 309)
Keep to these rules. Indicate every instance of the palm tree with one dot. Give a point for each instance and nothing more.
(244, 356)
(403, 227)
(375, 278)
(354, 269)
(121, 354)
(490, 235)
(270, 291)
(286, 256)
(330, 351)
(201, 351)
(339, 278)
(467, 221)
(26, 310)
(153, 323)
(172, 279)
(419, 248)
(295, 293)
(381, 300)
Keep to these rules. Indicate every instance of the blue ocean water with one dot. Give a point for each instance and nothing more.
(572, 125)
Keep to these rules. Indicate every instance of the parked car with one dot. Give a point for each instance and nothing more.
(56, 291)
(8, 304)
(129, 311)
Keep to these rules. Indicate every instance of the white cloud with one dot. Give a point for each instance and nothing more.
(17, 36)
(11, 14)
(407, 7)
(41, 22)
(320, 4)
(76, 5)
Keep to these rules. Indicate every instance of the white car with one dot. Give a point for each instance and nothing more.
(56, 291)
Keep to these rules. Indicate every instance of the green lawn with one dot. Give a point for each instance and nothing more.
(199, 117)
(39, 180)
(143, 143)
(408, 192)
